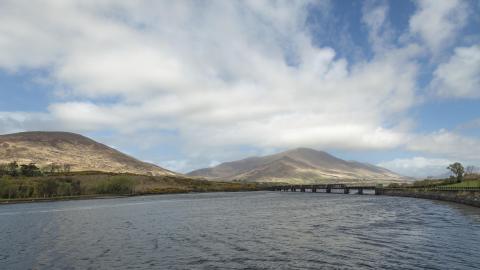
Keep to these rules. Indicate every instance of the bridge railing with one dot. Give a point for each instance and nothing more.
(439, 188)
(322, 186)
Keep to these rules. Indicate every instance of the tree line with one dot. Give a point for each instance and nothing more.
(14, 169)
(60, 186)
(11, 188)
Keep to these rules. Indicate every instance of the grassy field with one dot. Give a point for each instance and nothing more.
(87, 184)
(467, 183)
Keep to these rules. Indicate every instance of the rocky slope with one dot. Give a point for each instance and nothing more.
(300, 166)
(81, 153)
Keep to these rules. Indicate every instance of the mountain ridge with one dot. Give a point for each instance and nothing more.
(300, 165)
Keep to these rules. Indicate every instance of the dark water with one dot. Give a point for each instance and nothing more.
(256, 230)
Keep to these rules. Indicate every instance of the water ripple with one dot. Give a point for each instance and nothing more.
(259, 230)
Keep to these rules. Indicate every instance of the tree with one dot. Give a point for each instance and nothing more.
(30, 170)
(469, 170)
(66, 168)
(12, 168)
(457, 169)
(3, 170)
(52, 168)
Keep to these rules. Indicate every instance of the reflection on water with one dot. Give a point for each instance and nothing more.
(256, 230)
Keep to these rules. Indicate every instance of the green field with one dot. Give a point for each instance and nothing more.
(467, 183)
(472, 180)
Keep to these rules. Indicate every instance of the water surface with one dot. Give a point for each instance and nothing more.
(251, 230)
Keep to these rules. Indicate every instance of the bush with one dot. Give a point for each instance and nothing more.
(434, 182)
(11, 188)
(12, 169)
(3, 170)
(116, 185)
(8, 188)
(47, 188)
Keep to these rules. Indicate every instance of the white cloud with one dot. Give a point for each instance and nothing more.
(438, 22)
(21, 121)
(418, 166)
(375, 17)
(460, 75)
(447, 144)
(217, 73)
(177, 165)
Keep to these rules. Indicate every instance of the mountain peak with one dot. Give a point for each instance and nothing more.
(43, 134)
(47, 136)
(303, 150)
(306, 151)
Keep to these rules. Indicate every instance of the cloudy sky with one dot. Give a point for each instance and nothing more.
(189, 84)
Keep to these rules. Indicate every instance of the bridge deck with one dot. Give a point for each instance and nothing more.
(360, 188)
(327, 187)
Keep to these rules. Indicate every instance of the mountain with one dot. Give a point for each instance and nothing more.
(301, 165)
(81, 153)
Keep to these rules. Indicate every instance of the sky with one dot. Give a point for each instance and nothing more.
(191, 84)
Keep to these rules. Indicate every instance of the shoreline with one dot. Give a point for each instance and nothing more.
(63, 198)
(105, 196)
(465, 197)
(471, 198)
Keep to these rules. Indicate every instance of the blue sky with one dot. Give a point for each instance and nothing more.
(188, 84)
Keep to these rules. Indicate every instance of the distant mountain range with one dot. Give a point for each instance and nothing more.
(301, 165)
(81, 153)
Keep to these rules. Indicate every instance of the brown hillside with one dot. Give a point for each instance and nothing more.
(81, 153)
(301, 165)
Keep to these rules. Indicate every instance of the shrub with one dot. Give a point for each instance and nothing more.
(7, 188)
(47, 188)
(116, 185)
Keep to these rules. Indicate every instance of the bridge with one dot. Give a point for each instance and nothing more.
(327, 188)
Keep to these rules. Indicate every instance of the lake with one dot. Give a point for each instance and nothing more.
(245, 230)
